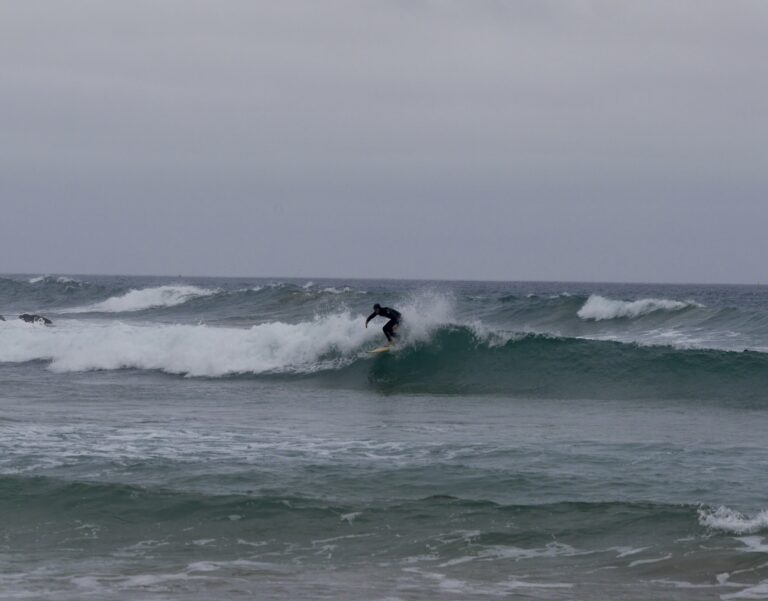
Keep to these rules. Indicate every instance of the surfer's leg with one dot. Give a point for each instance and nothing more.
(389, 330)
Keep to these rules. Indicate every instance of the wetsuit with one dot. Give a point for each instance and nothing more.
(394, 321)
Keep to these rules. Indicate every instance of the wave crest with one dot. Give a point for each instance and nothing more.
(729, 520)
(598, 308)
(49, 279)
(145, 298)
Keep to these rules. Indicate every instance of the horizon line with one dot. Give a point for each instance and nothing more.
(401, 279)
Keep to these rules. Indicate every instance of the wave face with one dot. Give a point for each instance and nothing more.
(539, 340)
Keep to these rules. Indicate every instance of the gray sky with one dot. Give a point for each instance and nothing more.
(478, 139)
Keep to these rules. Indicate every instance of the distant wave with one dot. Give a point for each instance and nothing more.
(173, 296)
(53, 279)
(145, 298)
(598, 308)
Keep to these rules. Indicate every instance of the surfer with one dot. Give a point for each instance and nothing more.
(391, 326)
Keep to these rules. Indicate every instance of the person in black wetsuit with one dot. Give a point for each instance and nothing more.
(394, 320)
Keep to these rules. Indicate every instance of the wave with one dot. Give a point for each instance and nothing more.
(145, 298)
(257, 303)
(325, 342)
(435, 355)
(194, 350)
(47, 279)
(43, 293)
(130, 505)
(598, 308)
(152, 513)
(645, 321)
(729, 520)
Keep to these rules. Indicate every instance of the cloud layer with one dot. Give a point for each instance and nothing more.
(514, 140)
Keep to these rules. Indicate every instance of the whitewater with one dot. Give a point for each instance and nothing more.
(232, 438)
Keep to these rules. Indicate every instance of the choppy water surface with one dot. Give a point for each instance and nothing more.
(192, 438)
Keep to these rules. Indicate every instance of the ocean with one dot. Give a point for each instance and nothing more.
(209, 438)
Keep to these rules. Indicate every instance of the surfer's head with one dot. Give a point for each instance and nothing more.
(376, 308)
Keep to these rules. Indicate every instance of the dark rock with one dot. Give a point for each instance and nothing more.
(39, 319)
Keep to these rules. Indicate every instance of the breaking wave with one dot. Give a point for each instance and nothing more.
(194, 350)
(598, 308)
(45, 279)
(729, 520)
(434, 356)
(146, 298)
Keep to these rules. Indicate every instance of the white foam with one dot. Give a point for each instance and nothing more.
(640, 562)
(729, 520)
(518, 553)
(754, 544)
(324, 342)
(513, 583)
(203, 541)
(145, 298)
(241, 564)
(502, 552)
(627, 551)
(350, 517)
(683, 584)
(60, 279)
(758, 591)
(598, 308)
(497, 589)
(149, 580)
(195, 350)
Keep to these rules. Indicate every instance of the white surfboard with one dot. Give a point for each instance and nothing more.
(381, 349)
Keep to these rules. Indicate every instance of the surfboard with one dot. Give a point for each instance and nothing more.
(381, 349)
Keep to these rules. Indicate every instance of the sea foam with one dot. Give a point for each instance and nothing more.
(598, 308)
(729, 520)
(195, 350)
(324, 342)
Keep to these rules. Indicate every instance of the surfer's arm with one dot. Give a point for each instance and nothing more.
(370, 317)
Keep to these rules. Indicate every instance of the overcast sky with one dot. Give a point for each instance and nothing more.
(476, 139)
